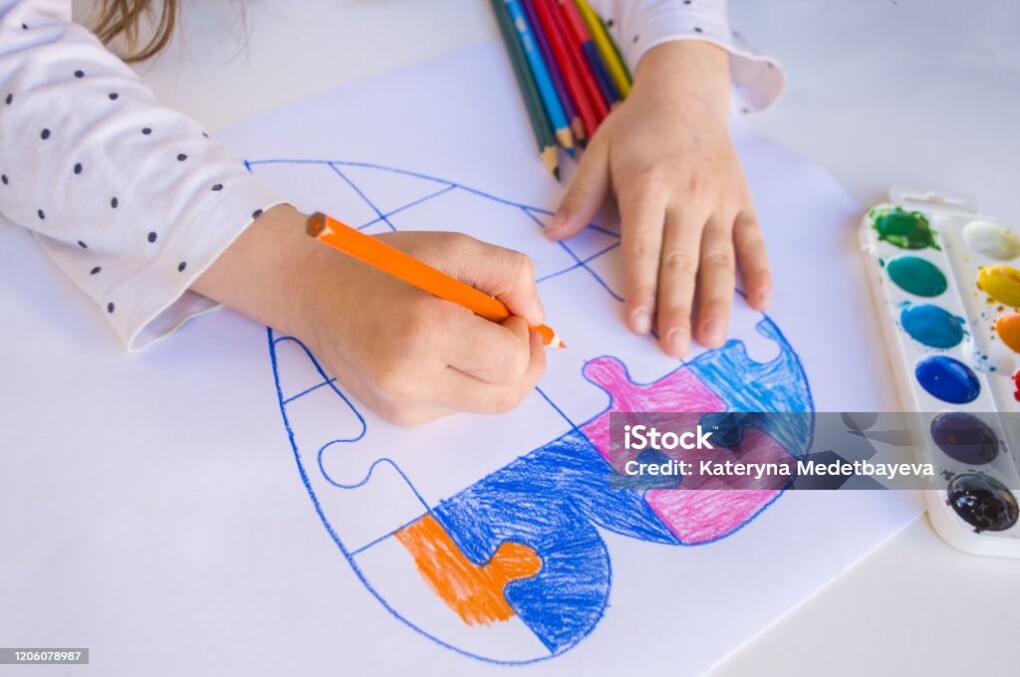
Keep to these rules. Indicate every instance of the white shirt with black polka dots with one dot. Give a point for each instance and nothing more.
(134, 201)
(639, 25)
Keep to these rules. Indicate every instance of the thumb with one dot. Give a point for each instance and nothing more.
(585, 196)
(503, 273)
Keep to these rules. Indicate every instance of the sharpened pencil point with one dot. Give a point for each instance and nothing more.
(577, 127)
(551, 161)
(550, 339)
(316, 224)
(565, 138)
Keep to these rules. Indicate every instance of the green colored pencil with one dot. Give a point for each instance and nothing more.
(536, 109)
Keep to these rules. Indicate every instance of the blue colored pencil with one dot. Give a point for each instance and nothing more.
(545, 86)
(601, 72)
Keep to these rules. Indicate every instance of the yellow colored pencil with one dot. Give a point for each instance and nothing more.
(617, 71)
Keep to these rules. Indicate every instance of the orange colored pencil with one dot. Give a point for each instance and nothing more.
(403, 266)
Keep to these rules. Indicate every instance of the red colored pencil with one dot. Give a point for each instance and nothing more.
(591, 87)
(561, 49)
(576, 125)
(564, 64)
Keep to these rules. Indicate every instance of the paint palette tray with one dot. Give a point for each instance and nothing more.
(946, 283)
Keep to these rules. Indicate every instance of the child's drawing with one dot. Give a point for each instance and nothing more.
(485, 533)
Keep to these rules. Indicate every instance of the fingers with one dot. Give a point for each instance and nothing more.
(499, 354)
(716, 282)
(441, 358)
(642, 212)
(753, 260)
(497, 366)
(585, 196)
(677, 276)
(504, 273)
(463, 392)
(441, 389)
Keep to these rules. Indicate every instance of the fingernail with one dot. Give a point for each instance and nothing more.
(713, 331)
(555, 224)
(678, 341)
(642, 321)
(537, 311)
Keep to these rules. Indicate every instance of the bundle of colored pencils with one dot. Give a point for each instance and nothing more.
(568, 68)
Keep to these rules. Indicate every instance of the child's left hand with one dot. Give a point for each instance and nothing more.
(687, 214)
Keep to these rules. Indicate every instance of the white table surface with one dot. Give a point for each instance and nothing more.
(881, 92)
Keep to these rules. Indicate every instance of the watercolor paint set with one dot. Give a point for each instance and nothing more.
(946, 282)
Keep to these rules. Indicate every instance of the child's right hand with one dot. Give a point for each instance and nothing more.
(408, 355)
(413, 357)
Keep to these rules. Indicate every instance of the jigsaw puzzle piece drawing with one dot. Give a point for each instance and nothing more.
(551, 500)
(714, 510)
(778, 385)
(474, 592)
(679, 391)
(705, 509)
(360, 494)
(423, 577)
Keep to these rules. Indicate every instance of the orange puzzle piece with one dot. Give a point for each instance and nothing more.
(474, 592)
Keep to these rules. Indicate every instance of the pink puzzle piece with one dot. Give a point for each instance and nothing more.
(693, 516)
(679, 391)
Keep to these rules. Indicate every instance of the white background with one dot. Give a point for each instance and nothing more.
(925, 94)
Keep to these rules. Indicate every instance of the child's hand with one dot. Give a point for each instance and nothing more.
(408, 355)
(413, 357)
(687, 214)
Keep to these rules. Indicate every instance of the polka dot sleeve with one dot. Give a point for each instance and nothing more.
(639, 25)
(131, 199)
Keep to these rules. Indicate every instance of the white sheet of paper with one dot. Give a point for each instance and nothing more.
(152, 509)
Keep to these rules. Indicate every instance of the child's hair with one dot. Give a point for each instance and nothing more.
(123, 18)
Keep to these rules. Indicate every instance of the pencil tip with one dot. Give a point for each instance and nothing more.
(565, 138)
(551, 161)
(316, 224)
